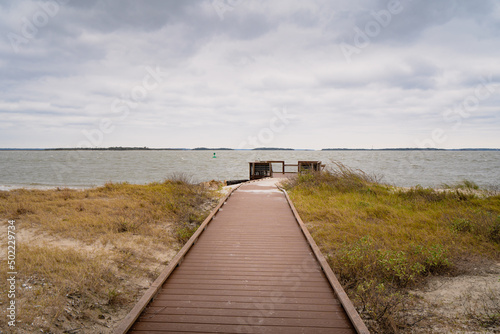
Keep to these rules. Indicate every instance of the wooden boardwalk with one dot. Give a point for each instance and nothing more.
(252, 269)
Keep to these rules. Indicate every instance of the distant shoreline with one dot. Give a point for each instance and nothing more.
(231, 149)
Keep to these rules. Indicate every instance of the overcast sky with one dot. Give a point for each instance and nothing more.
(246, 73)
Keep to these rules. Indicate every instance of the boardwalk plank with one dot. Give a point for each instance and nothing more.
(144, 327)
(152, 312)
(275, 300)
(279, 281)
(246, 304)
(261, 319)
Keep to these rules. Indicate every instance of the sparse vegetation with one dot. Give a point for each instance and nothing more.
(381, 240)
(465, 184)
(80, 251)
(485, 309)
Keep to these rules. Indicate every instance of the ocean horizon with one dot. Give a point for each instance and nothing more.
(89, 168)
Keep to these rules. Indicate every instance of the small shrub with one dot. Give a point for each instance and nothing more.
(494, 231)
(461, 225)
(356, 262)
(365, 260)
(183, 233)
(436, 259)
(483, 226)
(24, 209)
(467, 185)
(114, 296)
(419, 193)
(181, 178)
(381, 306)
(126, 225)
(398, 267)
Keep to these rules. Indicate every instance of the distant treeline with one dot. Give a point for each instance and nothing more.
(232, 149)
(117, 148)
(120, 148)
(272, 149)
(212, 149)
(411, 149)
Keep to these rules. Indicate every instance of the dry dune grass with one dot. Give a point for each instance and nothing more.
(84, 256)
(381, 241)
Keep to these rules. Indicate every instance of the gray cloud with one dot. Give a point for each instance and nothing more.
(221, 78)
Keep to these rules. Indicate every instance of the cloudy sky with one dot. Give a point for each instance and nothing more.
(246, 73)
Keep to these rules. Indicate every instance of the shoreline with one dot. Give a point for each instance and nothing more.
(44, 187)
(491, 190)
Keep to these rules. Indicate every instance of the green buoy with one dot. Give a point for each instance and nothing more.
(214, 156)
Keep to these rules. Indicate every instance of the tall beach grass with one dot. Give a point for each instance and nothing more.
(381, 240)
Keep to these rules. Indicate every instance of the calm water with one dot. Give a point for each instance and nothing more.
(93, 168)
